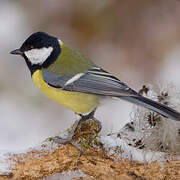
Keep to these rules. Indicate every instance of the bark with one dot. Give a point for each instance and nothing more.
(94, 162)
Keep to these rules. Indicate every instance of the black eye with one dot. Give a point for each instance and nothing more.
(31, 47)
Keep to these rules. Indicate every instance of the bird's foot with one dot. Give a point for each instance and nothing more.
(68, 138)
(83, 131)
(59, 140)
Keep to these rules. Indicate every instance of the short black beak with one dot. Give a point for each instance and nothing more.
(17, 52)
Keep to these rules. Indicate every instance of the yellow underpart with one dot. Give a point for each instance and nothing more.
(80, 103)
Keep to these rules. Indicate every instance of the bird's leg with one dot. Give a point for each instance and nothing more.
(88, 117)
(68, 139)
(73, 131)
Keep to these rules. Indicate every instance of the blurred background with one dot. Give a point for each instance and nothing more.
(137, 41)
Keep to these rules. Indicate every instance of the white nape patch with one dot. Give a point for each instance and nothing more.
(98, 68)
(38, 56)
(74, 78)
(60, 42)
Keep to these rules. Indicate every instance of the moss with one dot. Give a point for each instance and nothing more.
(87, 134)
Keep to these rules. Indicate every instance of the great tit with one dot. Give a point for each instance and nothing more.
(72, 80)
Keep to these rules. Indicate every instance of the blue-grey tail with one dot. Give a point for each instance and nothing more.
(154, 106)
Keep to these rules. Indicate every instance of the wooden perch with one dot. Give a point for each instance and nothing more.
(94, 162)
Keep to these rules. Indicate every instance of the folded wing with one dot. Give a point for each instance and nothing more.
(95, 81)
(98, 81)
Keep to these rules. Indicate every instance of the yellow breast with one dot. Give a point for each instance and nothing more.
(80, 103)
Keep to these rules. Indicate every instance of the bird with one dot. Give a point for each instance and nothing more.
(71, 79)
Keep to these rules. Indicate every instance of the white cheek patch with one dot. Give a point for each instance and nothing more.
(38, 56)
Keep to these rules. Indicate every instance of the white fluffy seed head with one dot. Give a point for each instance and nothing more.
(151, 131)
(38, 56)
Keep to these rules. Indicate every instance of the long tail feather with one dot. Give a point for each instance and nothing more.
(154, 106)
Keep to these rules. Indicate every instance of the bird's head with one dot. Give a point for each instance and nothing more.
(39, 50)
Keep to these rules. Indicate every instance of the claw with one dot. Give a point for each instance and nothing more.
(73, 131)
(60, 140)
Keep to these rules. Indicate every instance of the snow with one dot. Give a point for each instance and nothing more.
(66, 175)
(6, 165)
(118, 147)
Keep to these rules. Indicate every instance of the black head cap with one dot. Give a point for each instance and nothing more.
(37, 41)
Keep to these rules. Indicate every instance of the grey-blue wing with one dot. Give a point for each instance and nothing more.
(100, 82)
(96, 82)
